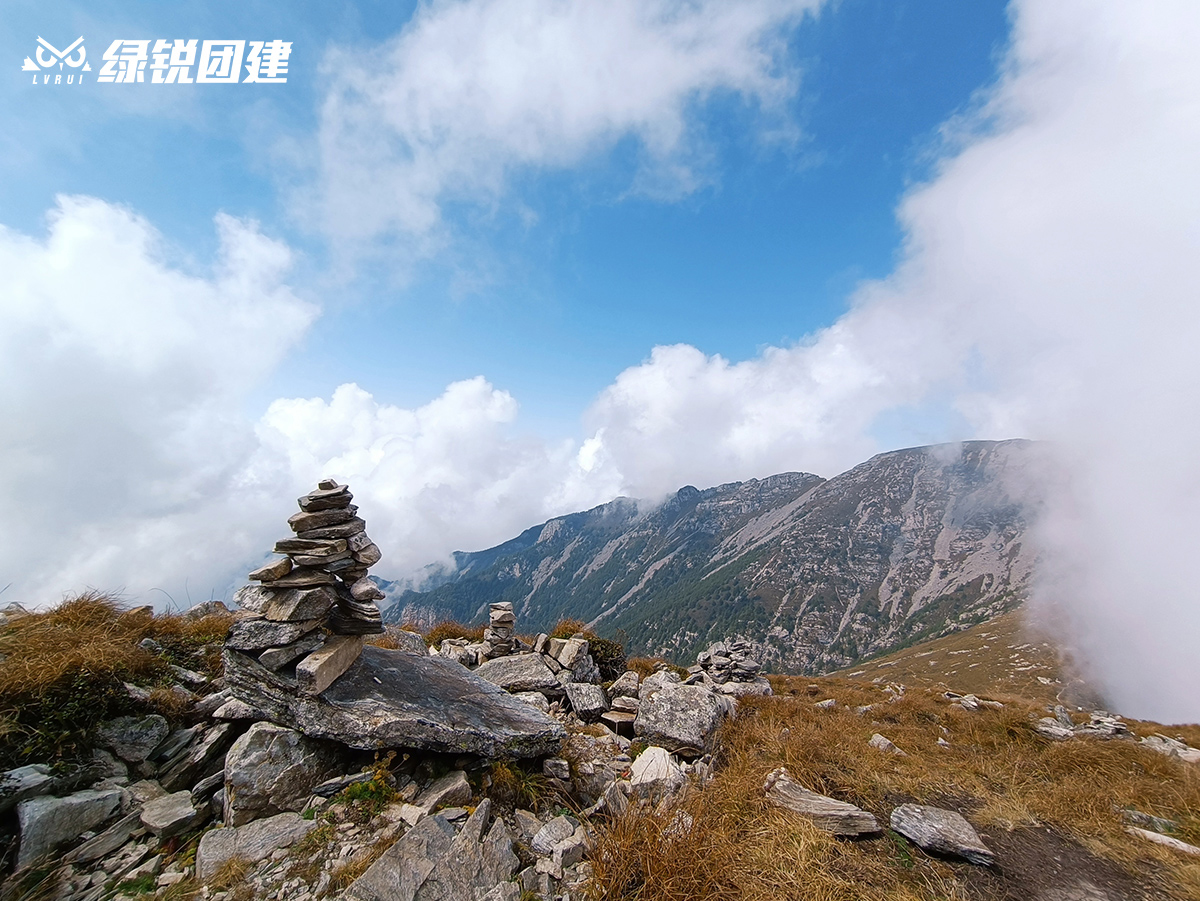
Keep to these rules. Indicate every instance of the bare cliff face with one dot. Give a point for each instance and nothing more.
(816, 573)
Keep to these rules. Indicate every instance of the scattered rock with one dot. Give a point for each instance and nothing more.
(619, 721)
(23, 783)
(431, 863)
(448, 791)
(556, 768)
(172, 814)
(1049, 727)
(1172, 747)
(881, 743)
(1164, 840)
(409, 642)
(551, 834)
(941, 831)
(626, 686)
(133, 738)
(233, 709)
(536, 698)
(827, 814)
(107, 841)
(655, 773)
(195, 764)
(587, 700)
(656, 682)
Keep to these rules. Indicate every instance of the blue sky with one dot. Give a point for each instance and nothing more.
(764, 252)
(493, 261)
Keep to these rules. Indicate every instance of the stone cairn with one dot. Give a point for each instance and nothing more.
(730, 667)
(499, 633)
(312, 606)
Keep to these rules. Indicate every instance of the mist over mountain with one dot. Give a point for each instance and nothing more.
(817, 572)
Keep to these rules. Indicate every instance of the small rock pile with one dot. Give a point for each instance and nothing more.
(1100, 724)
(728, 667)
(321, 581)
(499, 633)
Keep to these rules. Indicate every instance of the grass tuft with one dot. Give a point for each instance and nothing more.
(451, 629)
(63, 670)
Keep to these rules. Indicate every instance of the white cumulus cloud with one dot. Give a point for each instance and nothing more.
(121, 379)
(470, 94)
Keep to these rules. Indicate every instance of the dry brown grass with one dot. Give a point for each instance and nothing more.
(646, 666)
(569, 628)
(996, 769)
(63, 670)
(451, 629)
(388, 640)
(344, 875)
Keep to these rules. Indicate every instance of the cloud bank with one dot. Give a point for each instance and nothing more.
(121, 380)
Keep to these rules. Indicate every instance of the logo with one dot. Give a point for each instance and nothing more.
(48, 56)
(174, 61)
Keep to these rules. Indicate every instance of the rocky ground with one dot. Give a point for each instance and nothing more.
(650, 782)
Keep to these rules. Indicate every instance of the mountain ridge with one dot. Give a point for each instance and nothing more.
(817, 573)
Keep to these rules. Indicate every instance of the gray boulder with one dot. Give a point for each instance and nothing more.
(587, 700)
(272, 769)
(941, 831)
(682, 718)
(48, 822)
(390, 699)
(536, 698)
(23, 783)
(828, 814)
(252, 843)
(520, 672)
(133, 738)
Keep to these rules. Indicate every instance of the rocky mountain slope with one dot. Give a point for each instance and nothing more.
(817, 573)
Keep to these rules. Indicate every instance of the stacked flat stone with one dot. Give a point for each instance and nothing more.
(315, 603)
(727, 667)
(499, 633)
(331, 549)
(729, 662)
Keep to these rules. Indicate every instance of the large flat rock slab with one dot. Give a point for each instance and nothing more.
(826, 813)
(393, 699)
